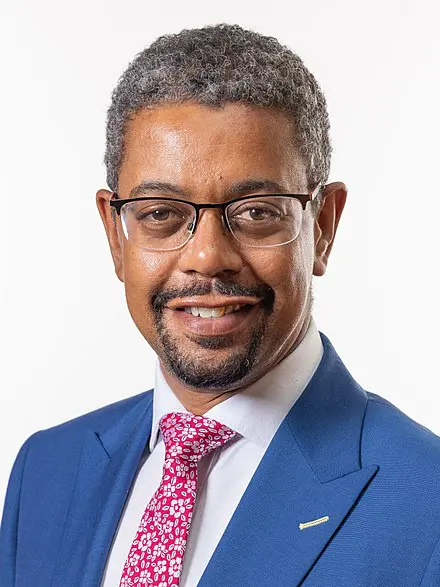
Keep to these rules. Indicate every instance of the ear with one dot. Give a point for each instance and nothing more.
(111, 228)
(326, 224)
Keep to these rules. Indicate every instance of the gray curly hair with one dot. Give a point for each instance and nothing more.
(215, 65)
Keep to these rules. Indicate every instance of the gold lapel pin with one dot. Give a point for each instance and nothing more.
(313, 522)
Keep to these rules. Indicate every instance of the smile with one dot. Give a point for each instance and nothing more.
(217, 312)
(213, 321)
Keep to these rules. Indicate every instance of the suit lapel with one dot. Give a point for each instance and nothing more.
(105, 473)
(311, 470)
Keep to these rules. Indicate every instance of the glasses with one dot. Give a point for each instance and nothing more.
(167, 224)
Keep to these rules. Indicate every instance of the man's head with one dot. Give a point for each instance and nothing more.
(207, 116)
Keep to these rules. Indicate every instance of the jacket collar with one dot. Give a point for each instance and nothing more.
(327, 419)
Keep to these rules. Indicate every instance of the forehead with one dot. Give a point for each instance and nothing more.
(205, 149)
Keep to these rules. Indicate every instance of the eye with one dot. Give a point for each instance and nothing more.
(159, 214)
(256, 212)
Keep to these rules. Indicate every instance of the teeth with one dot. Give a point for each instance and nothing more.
(212, 312)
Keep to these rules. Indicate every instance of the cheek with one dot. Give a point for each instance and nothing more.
(146, 267)
(288, 270)
(144, 274)
(287, 265)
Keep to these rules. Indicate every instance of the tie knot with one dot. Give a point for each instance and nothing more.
(192, 437)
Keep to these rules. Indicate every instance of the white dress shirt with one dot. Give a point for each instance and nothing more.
(255, 413)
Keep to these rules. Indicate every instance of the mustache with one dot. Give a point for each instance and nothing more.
(263, 291)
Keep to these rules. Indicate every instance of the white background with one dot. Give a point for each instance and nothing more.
(68, 344)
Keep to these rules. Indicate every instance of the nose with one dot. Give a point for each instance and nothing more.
(212, 250)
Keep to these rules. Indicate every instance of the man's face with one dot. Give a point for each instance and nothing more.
(205, 153)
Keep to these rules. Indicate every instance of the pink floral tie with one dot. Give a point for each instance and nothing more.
(156, 555)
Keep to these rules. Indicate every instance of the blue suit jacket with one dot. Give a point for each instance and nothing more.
(341, 452)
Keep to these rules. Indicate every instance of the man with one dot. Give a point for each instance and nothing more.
(257, 459)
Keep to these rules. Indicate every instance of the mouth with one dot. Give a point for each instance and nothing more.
(215, 312)
(213, 320)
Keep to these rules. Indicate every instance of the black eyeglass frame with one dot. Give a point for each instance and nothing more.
(117, 204)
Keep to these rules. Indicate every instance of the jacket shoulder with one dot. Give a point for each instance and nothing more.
(52, 454)
(47, 466)
(393, 435)
(98, 420)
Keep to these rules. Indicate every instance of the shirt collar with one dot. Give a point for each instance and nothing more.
(256, 411)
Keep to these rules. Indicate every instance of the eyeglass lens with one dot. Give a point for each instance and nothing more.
(166, 225)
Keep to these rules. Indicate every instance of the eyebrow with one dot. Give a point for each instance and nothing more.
(253, 185)
(242, 187)
(156, 186)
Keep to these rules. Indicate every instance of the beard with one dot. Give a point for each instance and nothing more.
(201, 374)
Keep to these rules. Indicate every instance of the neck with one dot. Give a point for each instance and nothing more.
(200, 401)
